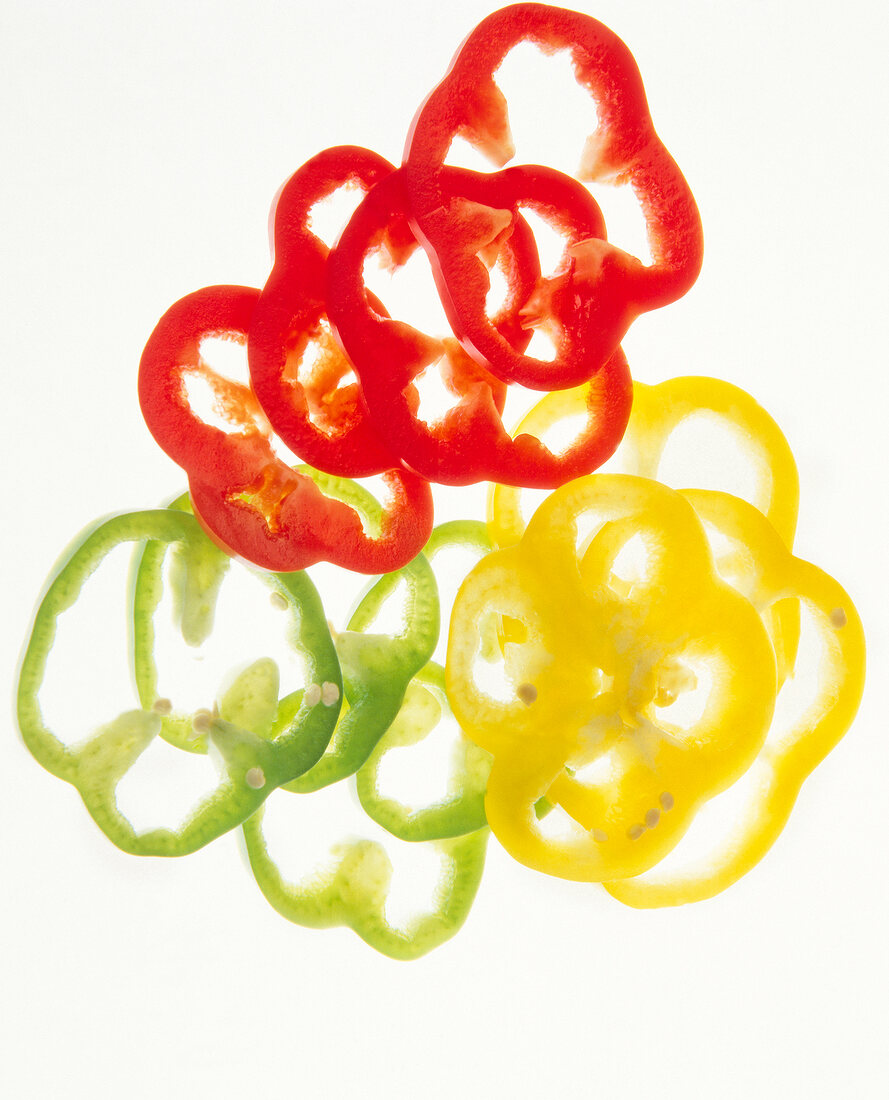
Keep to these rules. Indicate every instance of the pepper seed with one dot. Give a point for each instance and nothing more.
(527, 694)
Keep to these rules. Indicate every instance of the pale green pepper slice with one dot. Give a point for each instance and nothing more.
(285, 742)
(461, 810)
(376, 668)
(354, 888)
(197, 570)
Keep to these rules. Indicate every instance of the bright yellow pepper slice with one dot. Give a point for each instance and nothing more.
(658, 412)
(755, 560)
(614, 612)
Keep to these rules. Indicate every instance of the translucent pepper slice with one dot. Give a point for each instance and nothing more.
(659, 412)
(616, 612)
(609, 287)
(249, 500)
(353, 888)
(376, 668)
(254, 760)
(469, 443)
(753, 558)
(197, 570)
(459, 808)
(300, 375)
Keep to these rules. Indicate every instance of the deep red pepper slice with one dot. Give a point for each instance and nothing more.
(614, 287)
(469, 443)
(250, 501)
(325, 423)
(322, 421)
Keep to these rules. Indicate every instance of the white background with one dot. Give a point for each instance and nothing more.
(142, 145)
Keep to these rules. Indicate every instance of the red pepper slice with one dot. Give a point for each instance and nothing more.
(611, 287)
(250, 501)
(469, 443)
(322, 421)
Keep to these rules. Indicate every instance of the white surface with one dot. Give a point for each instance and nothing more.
(142, 146)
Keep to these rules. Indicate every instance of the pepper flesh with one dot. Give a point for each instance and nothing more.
(658, 413)
(251, 502)
(624, 148)
(468, 443)
(598, 653)
(352, 890)
(461, 808)
(376, 668)
(754, 559)
(254, 760)
(322, 421)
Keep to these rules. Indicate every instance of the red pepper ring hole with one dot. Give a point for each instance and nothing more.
(624, 148)
(469, 443)
(250, 501)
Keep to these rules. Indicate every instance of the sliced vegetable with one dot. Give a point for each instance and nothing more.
(254, 759)
(297, 370)
(377, 668)
(353, 889)
(197, 571)
(604, 287)
(461, 809)
(599, 649)
(752, 557)
(657, 415)
(468, 443)
(250, 501)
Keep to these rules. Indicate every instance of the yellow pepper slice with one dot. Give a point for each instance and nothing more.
(754, 559)
(615, 612)
(658, 412)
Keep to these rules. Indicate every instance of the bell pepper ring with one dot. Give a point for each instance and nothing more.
(250, 501)
(556, 304)
(376, 668)
(658, 413)
(323, 421)
(753, 558)
(256, 758)
(197, 570)
(461, 809)
(469, 443)
(615, 287)
(352, 891)
(600, 651)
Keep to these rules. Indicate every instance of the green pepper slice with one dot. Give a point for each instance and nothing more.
(197, 570)
(376, 668)
(462, 808)
(354, 889)
(254, 761)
